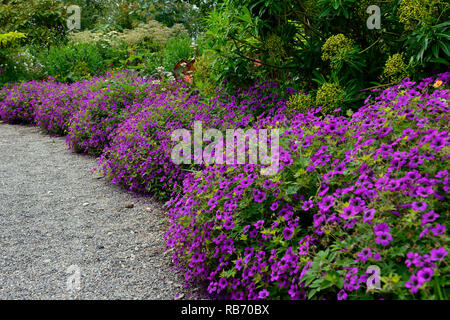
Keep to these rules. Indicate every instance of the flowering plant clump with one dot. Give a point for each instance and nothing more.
(17, 102)
(139, 156)
(58, 103)
(351, 194)
(106, 105)
(358, 208)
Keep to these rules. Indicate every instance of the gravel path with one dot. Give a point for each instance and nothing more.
(54, 214)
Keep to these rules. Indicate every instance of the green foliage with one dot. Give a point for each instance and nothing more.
(396, 69)
(300, 102)
(14, 62)
(330, 96)
(430, 46)
(416, 13)
(73, 62)
(203, 75)
(337, 50)
(93, 13)
(11, 38)
(176, 48)
(309, 42)
(44, 21)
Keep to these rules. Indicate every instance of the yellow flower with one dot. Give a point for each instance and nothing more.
(437, 84)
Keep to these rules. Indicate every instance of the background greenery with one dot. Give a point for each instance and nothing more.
(321, 48)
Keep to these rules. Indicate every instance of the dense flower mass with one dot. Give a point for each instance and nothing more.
(352, 192)
(358, 208)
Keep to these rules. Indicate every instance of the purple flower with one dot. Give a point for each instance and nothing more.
(274, 206)
(365, 254)
(368, 215)
(307, 205)
(268, 184)
(222, 283)
(438, 229)
(246, 183)
(212, 203)
(413, 258)
(383, 238)
(342, 295)
(326, 203)
(259, 224)
(419, 206)
(424, 191)
(438, 254)
(413, 284)
(263, 294)
(380, 228)
(429, 217)
(258, 195)
(288, 232)
(425, 274)
(239, 264)
(348, 212)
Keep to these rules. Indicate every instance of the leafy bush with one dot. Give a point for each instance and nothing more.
(139, 155)
(42, 20)
(175, 50)
(329, 97)
(17, 102)
(372, 189)
(10, 70)
(74, 62)
(302, 43)
(109, 103)
(203, 76)
(300, 102)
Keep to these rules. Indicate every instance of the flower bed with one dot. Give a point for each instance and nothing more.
(359, 201)
(352, 193)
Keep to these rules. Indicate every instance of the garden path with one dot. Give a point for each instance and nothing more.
(58, 220)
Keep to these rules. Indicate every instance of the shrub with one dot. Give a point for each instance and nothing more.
(10, 70)
(395, 69)
(139, 155)
(74, 62)
(330, 96)
(300, 102)
(108, 104)
(337, 49)
(413, 13)
(44, 21)
(284, 39)
(175, 50)
(18, 102)
(203, 75)
(351, 192)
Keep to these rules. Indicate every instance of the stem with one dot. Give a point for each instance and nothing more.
(380, 86)
(438, 288)
(260, 61)
(370, 46)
